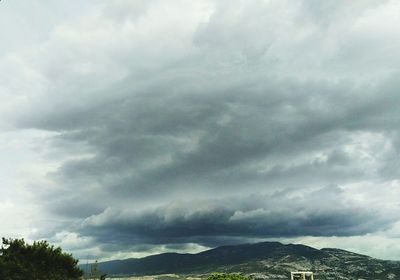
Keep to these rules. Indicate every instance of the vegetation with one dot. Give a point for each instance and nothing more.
(39, 261)
(227, 276)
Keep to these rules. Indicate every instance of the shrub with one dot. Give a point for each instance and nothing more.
(227, 276)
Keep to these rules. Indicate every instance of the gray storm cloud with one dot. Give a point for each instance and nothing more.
(210, 222)
(212, 123)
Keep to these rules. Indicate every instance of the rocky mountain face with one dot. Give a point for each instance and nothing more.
(266, 260)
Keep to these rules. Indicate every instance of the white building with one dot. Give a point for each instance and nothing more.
(301, 275)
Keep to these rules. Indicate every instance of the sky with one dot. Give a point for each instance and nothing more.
(129, 128)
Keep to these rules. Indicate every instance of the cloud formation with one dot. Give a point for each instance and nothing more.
(251, 217)
(195, 125)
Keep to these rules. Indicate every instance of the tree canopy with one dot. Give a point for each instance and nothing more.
(39, 261)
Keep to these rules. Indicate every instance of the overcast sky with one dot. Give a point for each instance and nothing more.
(137, 127)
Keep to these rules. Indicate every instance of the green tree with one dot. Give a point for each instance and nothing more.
(39, 261)
(227, 276)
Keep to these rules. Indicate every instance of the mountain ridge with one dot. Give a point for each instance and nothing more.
(264, 260)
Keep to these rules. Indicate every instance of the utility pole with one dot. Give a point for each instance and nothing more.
(87, 267)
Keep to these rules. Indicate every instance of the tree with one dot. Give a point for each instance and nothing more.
(39, 261)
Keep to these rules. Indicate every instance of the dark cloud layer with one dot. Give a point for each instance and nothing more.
(211, 222)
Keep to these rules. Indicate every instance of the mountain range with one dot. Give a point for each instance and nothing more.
(265, 260)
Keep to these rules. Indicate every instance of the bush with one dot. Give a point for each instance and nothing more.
(40, 261)
(227, 276)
